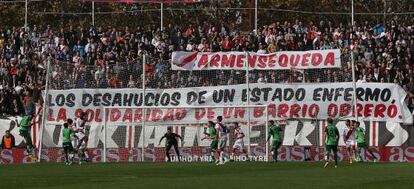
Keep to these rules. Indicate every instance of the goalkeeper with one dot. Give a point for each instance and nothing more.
(171, 142)
(67, 145)
(274, 133)
(25, 125)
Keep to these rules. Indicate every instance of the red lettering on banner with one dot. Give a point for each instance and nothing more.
(379, 110)
(316, 59)
(313, 110)
(251, 59)
(239, 112)
(258, 112)
(127, 115)
(210, 113)
(240, 60)
(156, 114)
(180, 114)
(294, 110)
(262, 61)
(137, 115)
(395, 154)
(283, 60)
(199, 113)
(304, 110)
(305, 60)
(345, 109)
(330, 59)
(409, 154)
(392, 111)
(228, 61)
(61, 117)
(227, 112)
(115, 115)
(98, 116)
(387, 154)
(272, 110)
(332, 110)
(169, 115)
(297, 154)
(50, 115)
(214, 62)
(78, 112)
(6, 156)
(203, 61)
(283, 109)
(272, 61)
(294, 60)
(147, 114)
(368, 110)
(89, 115)
(359, 109)
(283, 153)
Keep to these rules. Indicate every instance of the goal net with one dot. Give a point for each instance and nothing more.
(138, 140)
(126, 137)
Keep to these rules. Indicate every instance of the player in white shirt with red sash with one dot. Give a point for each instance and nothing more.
(222, 132)
(239, 142)
(349, 135)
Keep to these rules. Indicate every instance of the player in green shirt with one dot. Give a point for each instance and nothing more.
(212, 134)
(67, 143)
(361, 143)
(274, 132)
(24, 131)
(332, 137)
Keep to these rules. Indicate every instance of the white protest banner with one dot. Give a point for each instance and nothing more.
(281, 60)
(375, 102)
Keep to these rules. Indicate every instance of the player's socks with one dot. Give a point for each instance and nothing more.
(86, 156)
(213, 158)
(225, 157)
(71, 155)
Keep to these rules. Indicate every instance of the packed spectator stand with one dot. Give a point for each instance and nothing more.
(112, 57)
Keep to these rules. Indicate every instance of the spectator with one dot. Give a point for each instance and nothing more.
(7, 142)
(112, 57)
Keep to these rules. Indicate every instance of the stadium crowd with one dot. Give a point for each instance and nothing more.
(108, 57)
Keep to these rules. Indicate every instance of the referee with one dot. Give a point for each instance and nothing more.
(171, 142)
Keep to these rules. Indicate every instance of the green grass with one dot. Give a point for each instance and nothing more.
(204, 175)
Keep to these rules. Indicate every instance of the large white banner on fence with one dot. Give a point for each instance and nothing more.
(376, 102)
(282, 60)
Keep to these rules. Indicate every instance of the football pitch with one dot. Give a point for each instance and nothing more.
(204, 175)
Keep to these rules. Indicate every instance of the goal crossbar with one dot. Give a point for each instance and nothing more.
(143, 123)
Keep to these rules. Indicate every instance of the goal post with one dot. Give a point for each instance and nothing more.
(188, 121)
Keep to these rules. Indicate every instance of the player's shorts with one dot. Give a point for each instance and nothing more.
(74, 142)
(276, 144)
(362, 145)
(222, 142)
(82, 145)
(239, 144)
(214, 144)
(331, 148)
(67, 145)
(80, 135)
(350, 144)
(24, 133)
